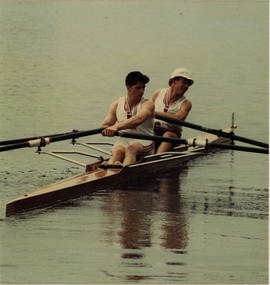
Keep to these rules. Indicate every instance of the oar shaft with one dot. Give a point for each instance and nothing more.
(249, 141)
(76, 135)
(16, 141)
(240, 148)
(13, 146)
(219, 133)
(47, 140)
(184, 123)
(151, 138)
(192, 142)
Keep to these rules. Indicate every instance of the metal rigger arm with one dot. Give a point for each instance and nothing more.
(91, 145)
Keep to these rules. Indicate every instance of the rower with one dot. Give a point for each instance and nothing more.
(135, 114)
(172, 103)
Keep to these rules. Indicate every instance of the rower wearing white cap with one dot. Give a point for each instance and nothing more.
(171, 102)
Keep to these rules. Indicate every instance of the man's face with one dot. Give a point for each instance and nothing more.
(137, 90)
(181, 84)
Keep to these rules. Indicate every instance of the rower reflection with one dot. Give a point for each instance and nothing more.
(136, 208)
(174, 228)
(139, 218)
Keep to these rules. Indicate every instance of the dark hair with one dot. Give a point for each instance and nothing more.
(136, 76)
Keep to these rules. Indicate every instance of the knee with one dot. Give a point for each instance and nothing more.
(131, 149)
(169, 135)
(118, 151)
(135, 148)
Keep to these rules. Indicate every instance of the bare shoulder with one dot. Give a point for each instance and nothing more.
(114, 105)
(148, 107)
(187, 104)
(155, 94)
(148, 103)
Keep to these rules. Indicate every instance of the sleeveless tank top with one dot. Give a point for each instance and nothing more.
(173, 109)
(121, 114)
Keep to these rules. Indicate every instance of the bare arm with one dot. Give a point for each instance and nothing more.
(181, 114)
(110, 118)
(146, 112)
(155, 94)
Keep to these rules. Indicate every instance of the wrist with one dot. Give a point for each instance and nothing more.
(117, 127)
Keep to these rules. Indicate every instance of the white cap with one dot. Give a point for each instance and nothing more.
(181, 72)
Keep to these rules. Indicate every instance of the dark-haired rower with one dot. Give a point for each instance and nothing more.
(134, 114)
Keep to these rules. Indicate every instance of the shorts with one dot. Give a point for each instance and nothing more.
(148, 146)
(160, 132)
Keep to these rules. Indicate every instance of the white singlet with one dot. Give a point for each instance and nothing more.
(173, 109)
(145, 128)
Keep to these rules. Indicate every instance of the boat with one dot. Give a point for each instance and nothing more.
(95, 178)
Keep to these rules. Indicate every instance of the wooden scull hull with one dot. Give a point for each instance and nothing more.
(96, 179)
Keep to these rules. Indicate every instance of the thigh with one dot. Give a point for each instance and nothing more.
(171, 134)
(143, 147)
(136, 146)
(118, 148)
(121, 142)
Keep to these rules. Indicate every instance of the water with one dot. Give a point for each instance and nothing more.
(62, 63)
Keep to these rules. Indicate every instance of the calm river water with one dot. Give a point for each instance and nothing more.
(62, 63)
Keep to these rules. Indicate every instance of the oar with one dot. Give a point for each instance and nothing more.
(15, 141)
(219, 133)
(44, 141)
(192, 142)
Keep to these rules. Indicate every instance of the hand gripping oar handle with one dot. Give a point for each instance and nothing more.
(216, 132)
(44, 141)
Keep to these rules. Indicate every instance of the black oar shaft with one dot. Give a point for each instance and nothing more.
(76, 135)
(13, 146)
(249, 141)
(151, 138)
(44, 141)
(16, 141)
(193, 142)
(237, 147)
(219, 133)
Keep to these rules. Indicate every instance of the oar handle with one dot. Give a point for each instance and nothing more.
(216, 132)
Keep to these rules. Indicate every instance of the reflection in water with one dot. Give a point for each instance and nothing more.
(132, 210)
(137, 209)
(136, 277)
(216, 196)
(151, 216)
(174, 227)
(159, 213)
